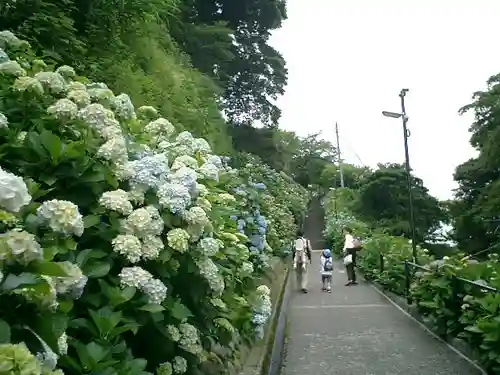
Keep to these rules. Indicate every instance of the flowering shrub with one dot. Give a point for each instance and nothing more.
(283, 202)
(452, 307)
(119, 248)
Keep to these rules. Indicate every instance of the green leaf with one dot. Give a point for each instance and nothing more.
(33, 141)
(153, 308)
(96, 352)
(52, 143)
(48, 268)
(4, 332)
(117, 295)
(180, 312)
(96, 269)
(12, 281)
(91, 220)
(87, 254)
(105, 320)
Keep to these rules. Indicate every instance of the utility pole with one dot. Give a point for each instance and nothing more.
(406, 134)
(339, 155)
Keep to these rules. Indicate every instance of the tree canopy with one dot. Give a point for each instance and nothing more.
(383, 202)
(475, 211)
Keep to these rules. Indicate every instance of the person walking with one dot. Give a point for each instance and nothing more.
(326, 262)
(351, 247)
(301, 256)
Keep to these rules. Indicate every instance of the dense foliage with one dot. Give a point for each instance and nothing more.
(475, 209)
(452, 307)
(122, 248)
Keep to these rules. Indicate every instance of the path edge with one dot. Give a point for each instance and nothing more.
(455, 344)
(275, 346)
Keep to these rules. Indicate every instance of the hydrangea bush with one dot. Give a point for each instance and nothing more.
(283, 202)
(120, 245)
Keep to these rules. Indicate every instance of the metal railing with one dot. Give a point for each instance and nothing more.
(457, 282)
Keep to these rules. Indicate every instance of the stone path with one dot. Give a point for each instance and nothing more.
(356, 331)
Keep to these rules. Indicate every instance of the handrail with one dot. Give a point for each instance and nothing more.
(456, 280)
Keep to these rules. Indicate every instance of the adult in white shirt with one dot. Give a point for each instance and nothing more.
(350, 249)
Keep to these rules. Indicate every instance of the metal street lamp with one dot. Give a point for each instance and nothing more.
(406, 134)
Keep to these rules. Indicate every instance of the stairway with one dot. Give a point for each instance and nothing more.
(314, 224)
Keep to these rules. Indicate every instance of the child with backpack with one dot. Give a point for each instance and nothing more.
(326, 261)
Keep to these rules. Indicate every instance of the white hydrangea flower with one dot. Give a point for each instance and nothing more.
(151, 247)
(179, 365)
(263, 290)
(173, 333)
(175, 197)
(160, 127)
(66, 71)
(13, 192)
(4, 123)
(129, 246)
(201, 190)
(80, 97)
(73, 284)
(3, 56)
(155, 290)
(247, 268)
(178, 239)
(164, 369)
(134, 277)
(201, 145)
(185, 176)
(136, 193)
(138, 278)
(53, 81)
(146, 111)
(226, 198)
(114, 150)
(215, 160)
(209, 246)
(62, 344)
(9, 39)
(99, 91)
(28, 84)
(204, 203)
(185, 137)
(76, 86)
(123, 107)
(208, 269)
(12, 68)
(97, 116)
(21, 137)
(184, 161)
(196, 216)
(209, 171)
(150, 170)
(20, 247)
(116, 200)
(62, 217)
(190, 339)
(145, 221)
(63, 109)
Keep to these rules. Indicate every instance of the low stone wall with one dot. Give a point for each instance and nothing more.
(255, 360)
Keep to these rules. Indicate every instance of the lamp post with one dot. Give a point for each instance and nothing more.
(406, 134)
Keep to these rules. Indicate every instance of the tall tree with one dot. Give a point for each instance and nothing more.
(383, 202)
(228, 40)
(475, 212)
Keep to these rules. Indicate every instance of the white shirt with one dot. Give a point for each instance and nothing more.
(349, 242)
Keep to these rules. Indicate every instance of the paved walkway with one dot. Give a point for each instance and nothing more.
(356, 331)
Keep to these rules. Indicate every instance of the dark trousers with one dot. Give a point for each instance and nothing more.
(351, 268)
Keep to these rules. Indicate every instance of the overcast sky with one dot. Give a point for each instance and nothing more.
(348, 60)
